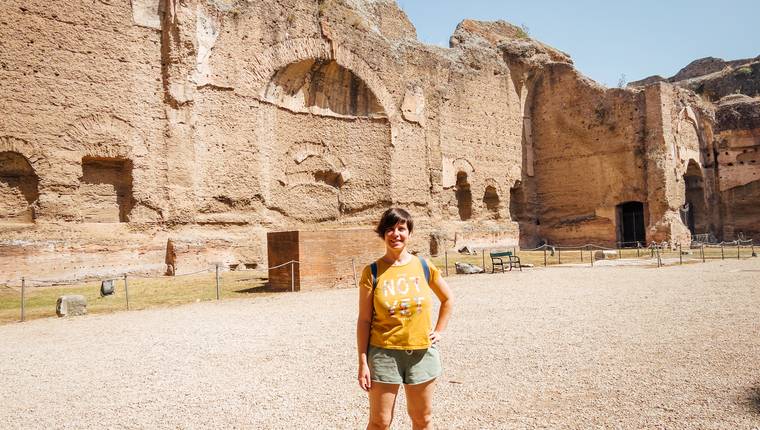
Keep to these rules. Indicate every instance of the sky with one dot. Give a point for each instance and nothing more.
(607, 39)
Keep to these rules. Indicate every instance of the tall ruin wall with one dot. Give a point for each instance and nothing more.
(129, 126)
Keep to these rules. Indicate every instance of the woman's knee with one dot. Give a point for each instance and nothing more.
(421, 420)
(380, 422)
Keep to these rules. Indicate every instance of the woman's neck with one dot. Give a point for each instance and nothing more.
(394, 257)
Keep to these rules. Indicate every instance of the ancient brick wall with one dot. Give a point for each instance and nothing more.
(326, 259)
(127, 125)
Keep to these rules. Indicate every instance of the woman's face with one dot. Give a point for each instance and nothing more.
(396, 237)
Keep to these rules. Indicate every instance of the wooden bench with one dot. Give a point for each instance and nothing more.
(499, 259)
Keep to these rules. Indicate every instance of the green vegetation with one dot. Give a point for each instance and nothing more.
(143, 293)
(744, 71)
(523, 32)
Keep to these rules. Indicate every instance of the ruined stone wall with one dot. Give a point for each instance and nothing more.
(737, 150)
(206, 124)
(588, 150)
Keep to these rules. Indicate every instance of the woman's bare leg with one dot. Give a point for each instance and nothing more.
(382, 400)
(419, 403)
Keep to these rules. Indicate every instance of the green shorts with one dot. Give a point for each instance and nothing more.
(392, 366)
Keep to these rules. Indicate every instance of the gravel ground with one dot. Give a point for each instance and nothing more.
(624, 347)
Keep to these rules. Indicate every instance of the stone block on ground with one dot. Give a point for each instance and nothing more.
(71, 306)
(466, 268)
(605, 254)
(467, 250)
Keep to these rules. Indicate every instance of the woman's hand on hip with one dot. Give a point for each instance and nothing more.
(435, 336)
(364, 379)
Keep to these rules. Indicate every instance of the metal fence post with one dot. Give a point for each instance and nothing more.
(659, 262)
(752, 245)
(738, 250)
(483, 251)
(446, 261)
(722, 256)
(218, 293)
(591, 252)
(544, 255)
(581, 249)
(702, 250)
(680, 254)
(23, 294)
(126, 290)
(559, 255)
(638, 249)
(292, 276)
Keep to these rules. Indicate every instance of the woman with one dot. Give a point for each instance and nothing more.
(394, 334)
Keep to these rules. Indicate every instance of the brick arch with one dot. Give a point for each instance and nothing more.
(267, 63)
(463, 165)
(104, 136)
(31, 152)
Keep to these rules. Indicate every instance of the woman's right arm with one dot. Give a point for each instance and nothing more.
(363, 323)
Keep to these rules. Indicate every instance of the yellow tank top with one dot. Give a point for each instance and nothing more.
(402, 305)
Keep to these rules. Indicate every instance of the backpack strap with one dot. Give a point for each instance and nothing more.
(373, 269)
(425, 268)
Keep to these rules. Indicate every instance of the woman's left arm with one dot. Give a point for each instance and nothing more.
(443, 292)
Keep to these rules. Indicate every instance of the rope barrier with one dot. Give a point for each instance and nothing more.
(284, 264)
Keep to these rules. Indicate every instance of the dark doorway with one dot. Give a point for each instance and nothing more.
(694, 211)
(464, 197)
(631, 224)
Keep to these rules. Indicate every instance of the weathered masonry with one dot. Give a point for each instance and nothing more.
(205, 124)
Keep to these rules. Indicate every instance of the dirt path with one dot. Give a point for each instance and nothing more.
(677, 347)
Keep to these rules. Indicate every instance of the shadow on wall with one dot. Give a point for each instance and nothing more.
(491, 202)
(464, 197)
(323, 87)
(106, 184)
(19, 188)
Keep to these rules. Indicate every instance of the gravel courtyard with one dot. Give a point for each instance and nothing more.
(626, 347)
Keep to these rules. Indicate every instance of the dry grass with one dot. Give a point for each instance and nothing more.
(144, 293)
(638, 257)
(169, 291)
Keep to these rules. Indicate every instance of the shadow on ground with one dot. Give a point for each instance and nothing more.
(753, 400)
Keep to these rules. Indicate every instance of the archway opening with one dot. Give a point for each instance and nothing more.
(464, 197)
(491, 201)
(19, 188)
(694, 211)
(630, 221)
(106, 188)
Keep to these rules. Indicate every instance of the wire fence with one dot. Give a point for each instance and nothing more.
(30, 298)
(37, 298)
(656, 254)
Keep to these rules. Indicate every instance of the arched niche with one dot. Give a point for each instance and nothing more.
(19, 188)
(463, 195)
(491, 200)
(258, 75)
(323, 87)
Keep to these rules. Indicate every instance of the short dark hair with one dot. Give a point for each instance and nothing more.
(390, 218)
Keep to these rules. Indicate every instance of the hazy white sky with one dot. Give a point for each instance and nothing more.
(607, 38)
